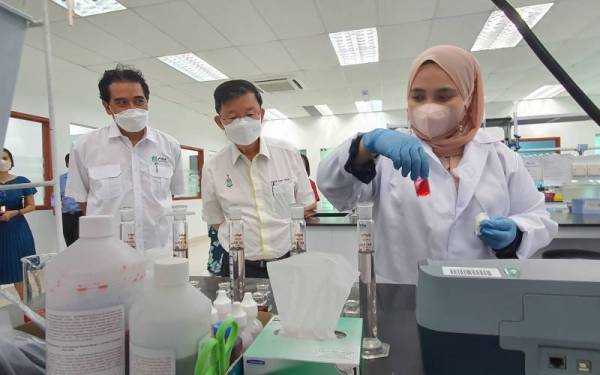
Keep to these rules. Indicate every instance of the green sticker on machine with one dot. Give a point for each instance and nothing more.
(512, 272)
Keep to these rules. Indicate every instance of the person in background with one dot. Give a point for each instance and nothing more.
(471, 173)
(260, 175)
(16, 239)
(128, 163)
(313, 185)
(70, 210)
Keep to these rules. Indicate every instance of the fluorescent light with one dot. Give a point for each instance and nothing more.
(273, 114)
(500, 32)
(356, 46)
(193, 66)
(545, 92)
(324, 109)
(369, 106)
(84, 8)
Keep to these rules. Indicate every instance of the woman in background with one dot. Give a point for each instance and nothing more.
(16, 240)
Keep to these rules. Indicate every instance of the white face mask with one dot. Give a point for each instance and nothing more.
(5, 165)
(243, 131)
(132, 120)
(434, 120)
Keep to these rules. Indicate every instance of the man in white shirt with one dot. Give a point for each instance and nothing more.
(128, 163)
(261, 176)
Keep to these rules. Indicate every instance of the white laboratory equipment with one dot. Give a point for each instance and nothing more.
(297, 230)
(237, 265)
(372, 346)
(180, 232)
(90, 288)
(127, 226)
(168, 338)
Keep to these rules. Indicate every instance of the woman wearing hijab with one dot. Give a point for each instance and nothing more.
(469, 174)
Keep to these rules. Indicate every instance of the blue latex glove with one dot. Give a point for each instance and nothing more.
(404, 150)
(498, 232)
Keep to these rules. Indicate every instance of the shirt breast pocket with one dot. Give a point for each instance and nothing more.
(160, 180)
(283, 197)
(105, 181)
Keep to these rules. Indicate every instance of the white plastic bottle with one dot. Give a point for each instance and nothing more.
(222, 304)
(244, 332)
(251, 309)
(167, 324)
(90, 288)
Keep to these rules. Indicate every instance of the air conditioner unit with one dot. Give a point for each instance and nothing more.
(278, 85)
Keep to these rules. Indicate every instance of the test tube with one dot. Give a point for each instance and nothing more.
(180, 232)
(237, 265)
(372, 346)
(127, 226)
(297, 230)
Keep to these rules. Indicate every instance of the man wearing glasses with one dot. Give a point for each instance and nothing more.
(261, 176)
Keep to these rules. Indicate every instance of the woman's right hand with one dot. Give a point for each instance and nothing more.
(404, 150)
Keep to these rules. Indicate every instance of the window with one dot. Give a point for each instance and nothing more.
(193, 160)
(597, 144)
(548, 142)
(28, 138)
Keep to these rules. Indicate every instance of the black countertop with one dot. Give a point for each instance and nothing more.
(397, 324)
(564, 219)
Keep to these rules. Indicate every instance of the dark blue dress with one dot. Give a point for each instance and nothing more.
(16, 240)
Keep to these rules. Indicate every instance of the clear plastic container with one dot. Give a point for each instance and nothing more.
(90, 288)
(127, 226)
(169, 322)
(237, 265)
(297, 230)
(180, 232)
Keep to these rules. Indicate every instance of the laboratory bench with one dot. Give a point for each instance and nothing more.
(397, 324)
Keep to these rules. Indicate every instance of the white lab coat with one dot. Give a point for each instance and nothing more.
(492, 179)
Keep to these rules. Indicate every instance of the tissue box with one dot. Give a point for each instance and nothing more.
(275, 354)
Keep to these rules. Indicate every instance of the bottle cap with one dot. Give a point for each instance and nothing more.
(222, 304)
(238, 313)
(249, 305)
(171, 272)
(235, 213)
(179, 211)
(127, 214)
(365, 210)
(297, 211)
(97, 226)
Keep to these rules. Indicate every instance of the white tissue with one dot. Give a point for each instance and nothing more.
(478, 219)
(310, 290)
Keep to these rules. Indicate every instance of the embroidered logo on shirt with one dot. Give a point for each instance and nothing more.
(159, 159)
(228, 182)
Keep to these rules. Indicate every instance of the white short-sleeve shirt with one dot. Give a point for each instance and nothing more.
(263, 188)
(108, 172)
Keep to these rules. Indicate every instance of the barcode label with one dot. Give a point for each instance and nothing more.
(492, 273)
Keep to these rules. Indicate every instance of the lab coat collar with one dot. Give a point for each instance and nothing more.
(263, 150)
(115, 132)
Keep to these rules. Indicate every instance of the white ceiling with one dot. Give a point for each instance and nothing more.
(258, 39)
